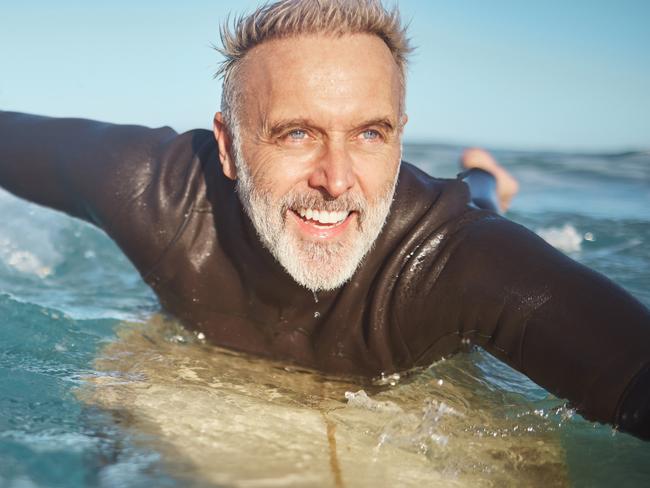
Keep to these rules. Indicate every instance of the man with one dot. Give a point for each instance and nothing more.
(295, 232)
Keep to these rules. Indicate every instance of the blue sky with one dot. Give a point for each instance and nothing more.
(500, 73)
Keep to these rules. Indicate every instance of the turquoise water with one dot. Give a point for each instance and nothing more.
(65, 287)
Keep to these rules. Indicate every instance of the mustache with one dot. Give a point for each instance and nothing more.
(348, 202)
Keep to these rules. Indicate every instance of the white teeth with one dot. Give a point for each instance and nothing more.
(323, 216)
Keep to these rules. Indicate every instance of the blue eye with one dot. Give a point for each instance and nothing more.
(370, 135)
(297, 134)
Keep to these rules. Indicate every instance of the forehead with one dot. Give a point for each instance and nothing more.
(329, 77)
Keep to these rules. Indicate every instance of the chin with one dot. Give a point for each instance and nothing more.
(320, 266)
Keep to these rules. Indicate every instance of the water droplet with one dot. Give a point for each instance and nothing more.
(315, 297)
(384, 379)
(440, 382)
(316, 315)
(589, 237)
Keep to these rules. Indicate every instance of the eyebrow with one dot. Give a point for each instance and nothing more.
(278, 127)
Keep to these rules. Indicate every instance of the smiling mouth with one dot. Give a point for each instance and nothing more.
(322, 224)
(322, 218)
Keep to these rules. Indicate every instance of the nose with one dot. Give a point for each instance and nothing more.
(334, 172)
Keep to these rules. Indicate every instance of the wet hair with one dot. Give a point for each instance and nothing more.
(290, 18)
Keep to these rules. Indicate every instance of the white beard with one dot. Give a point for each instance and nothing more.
(315, 265)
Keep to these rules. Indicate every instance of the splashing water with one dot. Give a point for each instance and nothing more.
(204, 404)
(565, 238)
(88, 400)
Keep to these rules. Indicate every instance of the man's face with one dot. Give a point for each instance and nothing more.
(317, 150)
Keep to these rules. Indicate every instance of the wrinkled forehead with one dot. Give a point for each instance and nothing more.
(335, 78)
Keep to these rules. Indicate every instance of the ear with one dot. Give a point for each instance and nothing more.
(403, 120)
(224, 143)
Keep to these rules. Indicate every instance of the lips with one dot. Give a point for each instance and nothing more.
(322, 224)
(323, 217)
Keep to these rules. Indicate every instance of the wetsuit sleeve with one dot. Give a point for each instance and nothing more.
(568, 328)
(482, 188)
(107, 174)
(78, 166)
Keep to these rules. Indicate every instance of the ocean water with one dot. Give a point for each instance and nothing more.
(96, 389)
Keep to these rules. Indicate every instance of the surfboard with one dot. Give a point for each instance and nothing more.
(226, 419)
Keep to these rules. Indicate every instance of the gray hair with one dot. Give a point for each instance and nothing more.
(290, 18)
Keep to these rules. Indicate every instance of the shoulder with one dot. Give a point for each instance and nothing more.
(183, 166)
(418, 193)
(165, 189)
(415, 184)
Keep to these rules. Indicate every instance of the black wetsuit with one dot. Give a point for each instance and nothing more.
(442, 271)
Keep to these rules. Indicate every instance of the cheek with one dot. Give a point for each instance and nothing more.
(276, 174)
(376, 176)
(277, 171)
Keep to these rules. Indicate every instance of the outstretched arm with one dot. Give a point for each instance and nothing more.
(82, 167)
(485, 280)
(135, 183)
(595, 317)
(568, 328)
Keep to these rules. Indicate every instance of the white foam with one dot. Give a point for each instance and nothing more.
(360, 399)
(566, 238)
(23, 261)
(51, 441)
(26, 236)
